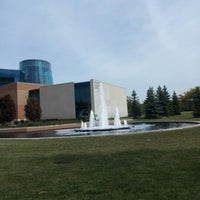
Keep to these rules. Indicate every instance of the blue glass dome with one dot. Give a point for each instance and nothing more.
(36, 71)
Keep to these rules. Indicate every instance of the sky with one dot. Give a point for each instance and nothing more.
(135, 44)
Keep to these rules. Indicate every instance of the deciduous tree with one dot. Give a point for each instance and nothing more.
(196, 102)
(32, 109)
(7, 109)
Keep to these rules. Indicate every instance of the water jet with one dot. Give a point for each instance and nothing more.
(102, 123)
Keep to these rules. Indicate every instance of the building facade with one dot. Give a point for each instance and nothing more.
(19, 92)
(30, 71)
(36, 71)
(60, 101)
(9, 76)
(115, 97)
(76, 100)
(67, 100)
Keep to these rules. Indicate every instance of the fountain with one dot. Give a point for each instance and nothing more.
(102, 122)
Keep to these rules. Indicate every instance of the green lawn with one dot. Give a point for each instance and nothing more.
(185, 116)
(157, 166)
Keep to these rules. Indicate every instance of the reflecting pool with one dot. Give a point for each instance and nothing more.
(131, 129)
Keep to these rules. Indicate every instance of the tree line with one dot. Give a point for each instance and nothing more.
(8, 110)
(159, 103)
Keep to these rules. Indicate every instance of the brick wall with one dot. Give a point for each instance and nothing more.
(19, 93)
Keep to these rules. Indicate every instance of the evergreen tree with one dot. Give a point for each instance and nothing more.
(175, 105)
(32, 109)
(166, 102)
(196, 102)
(163, 99)
(129, 105)
(160, 99)
(7, 109)
(150, 103)
(135, 105)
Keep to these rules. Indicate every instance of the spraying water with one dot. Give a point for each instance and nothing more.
(92, 120)
(117, 122)
(102, 112)
(103, 116)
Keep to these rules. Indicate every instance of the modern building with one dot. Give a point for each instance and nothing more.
(36, 71)
(60, 101)
(9, 76)
(75, 100)
(30, 71)
(67, 100)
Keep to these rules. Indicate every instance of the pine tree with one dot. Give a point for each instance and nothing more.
(129, 105)
(150, 103)
(163, 99)
(32, 109)
(196, 102)
(160, 98)
(135, 105)
(166, 102)
(7, 109)
(175, 105)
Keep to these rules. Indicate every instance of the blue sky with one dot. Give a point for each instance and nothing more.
(135, 44)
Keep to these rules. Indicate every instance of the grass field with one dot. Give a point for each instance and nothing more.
(185, 116)
(148, 166)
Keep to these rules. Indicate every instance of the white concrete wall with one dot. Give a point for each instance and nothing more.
(58, 101)
(115, 96)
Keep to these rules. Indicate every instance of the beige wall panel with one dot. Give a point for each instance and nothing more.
(22, 97)
(115, 96)
(58, 101)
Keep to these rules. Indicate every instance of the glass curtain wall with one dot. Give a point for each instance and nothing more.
(82, 99)
(36, 71)
(34, 94)
(9, 76)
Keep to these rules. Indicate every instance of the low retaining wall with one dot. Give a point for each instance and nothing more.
(38, 128)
